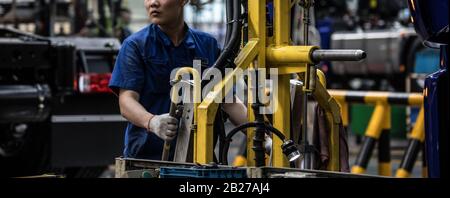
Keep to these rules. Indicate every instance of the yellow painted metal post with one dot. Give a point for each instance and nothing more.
(322, 78)
(257, 20)
(204, 145)
(415, 145)
(384, 155)
(257, 30)
(251, 118)
(373, 133)
(376, 122)
(281, 119)
(344, 111)
(418, 131)
(334, 163)
(282, 18)
(282, 99)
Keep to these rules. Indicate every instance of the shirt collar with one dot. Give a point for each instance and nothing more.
(188, 40)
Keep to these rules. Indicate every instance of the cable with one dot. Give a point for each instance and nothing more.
(233, 132)
(232, 45)
(229, 13)
(232, 41)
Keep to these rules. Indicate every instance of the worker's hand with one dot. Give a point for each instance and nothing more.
(164, 126)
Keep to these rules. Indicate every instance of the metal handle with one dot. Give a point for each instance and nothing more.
(166, 148)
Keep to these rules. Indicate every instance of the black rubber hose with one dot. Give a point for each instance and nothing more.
(232, 42)
(234, 46)
(229, 12)
(236, 33)
(237, 44)
(227, 52)
(230, 19)
(226, 146)
(219, 131)
(245, 22)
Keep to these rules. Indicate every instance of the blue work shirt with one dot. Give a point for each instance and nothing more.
(144, 64)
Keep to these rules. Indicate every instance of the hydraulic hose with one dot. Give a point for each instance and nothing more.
(229, 15)
(230, 47)
(224, 157)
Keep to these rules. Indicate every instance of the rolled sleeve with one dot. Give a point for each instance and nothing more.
(128, 71)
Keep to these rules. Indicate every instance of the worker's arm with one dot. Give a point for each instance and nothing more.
(132, 110)
(164, 126)
(237, 112)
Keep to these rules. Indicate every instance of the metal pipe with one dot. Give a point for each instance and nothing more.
(289, 54)
(338, 55)
(307, 162)
(310, 77)
(310, 54)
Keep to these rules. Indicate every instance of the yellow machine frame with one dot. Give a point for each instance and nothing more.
(268, 52)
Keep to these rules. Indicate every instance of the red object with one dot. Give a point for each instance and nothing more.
(94, 83)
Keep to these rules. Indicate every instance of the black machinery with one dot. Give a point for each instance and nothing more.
(56, 110)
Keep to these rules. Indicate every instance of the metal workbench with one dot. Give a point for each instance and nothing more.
(136, 168)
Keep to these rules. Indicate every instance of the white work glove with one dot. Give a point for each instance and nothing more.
(164, 126)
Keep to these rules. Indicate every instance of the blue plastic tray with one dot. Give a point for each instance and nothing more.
(194, 172)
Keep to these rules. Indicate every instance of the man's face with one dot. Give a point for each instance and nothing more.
(162, 12)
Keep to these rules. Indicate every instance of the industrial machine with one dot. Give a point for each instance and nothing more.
(265, 48)
(56, 62)
(57, 112)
